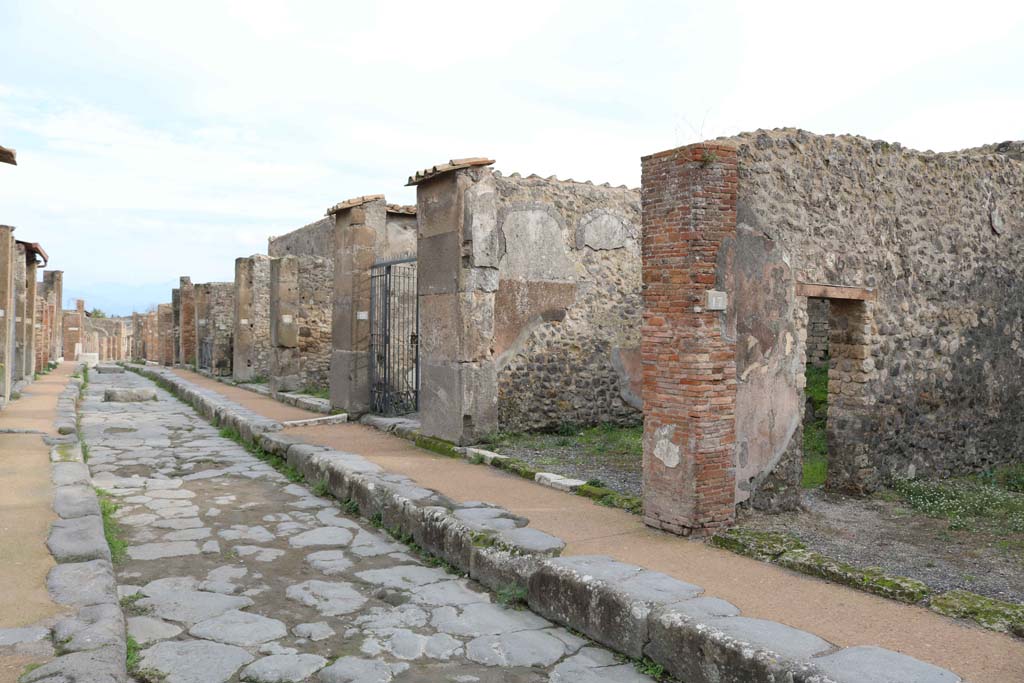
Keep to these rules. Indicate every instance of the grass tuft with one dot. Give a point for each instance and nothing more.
(111, 529)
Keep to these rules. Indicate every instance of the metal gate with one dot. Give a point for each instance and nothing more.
(394, 337)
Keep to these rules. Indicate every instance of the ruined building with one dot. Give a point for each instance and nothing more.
(214, 328)
(251, 355)
(919, 258)
(301, 294)
(529, 295)
(18, 300)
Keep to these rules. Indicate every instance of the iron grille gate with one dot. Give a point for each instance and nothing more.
(394, 337)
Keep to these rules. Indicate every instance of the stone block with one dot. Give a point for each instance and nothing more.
(92, 627)
(608, 601)
(700, 649)
(868, 664)
(82, 583)
(109, 369)
(75, 501)
(78, 540)
(125, 395)
(103, 665)
(71, 474)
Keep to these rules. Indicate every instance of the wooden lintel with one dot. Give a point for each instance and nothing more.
(819, 291)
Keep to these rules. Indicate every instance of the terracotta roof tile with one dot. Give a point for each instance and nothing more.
(356, 201)
(453, 165)
(8, 156)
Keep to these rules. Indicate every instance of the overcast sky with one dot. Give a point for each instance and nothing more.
(162, 139)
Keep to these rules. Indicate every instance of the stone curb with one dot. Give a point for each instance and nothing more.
(632, 610)
(91, 641)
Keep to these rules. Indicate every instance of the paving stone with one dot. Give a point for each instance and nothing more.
(283, 668)
(523, 648)
(239, 532)
(328, 598)
(258, 553)
(25, 634)
(869, 664)
(456, 592)
(404, 577)
(146, 629)
(240, 628)
(329, 562)
(357, 670)
(188, 534)
(485, 619)
(194, 661)
(191, 607)
(156, 551)
(125, 395)
(318, 630)
(75, 501)
(593, 665)
(332, 517)
(178, 524)
(325, 535)
(82, 583)
(103, 665)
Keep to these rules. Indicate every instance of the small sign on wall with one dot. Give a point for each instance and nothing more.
(716, 300)
(362, 315)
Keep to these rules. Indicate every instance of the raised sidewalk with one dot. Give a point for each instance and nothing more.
(842, 616)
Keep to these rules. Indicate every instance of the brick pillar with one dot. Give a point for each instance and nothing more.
(357, 231)
(457, 252)
(80, 317)
(689, 365)
(55, 284)
(187, 343)
(165, 331)
(7, 265)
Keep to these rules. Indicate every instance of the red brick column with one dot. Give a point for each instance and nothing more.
(689, 366)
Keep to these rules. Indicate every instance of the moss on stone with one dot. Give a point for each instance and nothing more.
(610, 498)
(517, 467)
(869, 579)
(439, 446)
(760, 545)
(988, 612)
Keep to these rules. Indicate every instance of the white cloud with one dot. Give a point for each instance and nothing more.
(156, 140)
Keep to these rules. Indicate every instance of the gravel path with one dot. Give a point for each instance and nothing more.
(872, 532)
(233, 573)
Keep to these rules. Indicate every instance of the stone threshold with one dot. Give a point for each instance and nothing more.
(91, 643)
(637, 612)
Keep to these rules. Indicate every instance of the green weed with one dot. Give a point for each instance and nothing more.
(111, 529)
(511, 596)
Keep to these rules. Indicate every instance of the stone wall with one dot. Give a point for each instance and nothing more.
(567, 309)
(920, 257)
(301, 296)
(74, 330)
(315, 239)
(939, 238)
(252, 347)
(817, 331)
(529, 302)
(301, 305)
(165, 333)
(215, 324)
(187, 316)
(175, 326)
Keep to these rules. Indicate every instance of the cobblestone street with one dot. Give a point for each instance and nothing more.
(232, 572)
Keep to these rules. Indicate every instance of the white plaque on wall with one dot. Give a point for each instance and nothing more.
(362, 315)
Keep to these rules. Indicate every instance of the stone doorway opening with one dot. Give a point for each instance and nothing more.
(816, 373)
(843, 461)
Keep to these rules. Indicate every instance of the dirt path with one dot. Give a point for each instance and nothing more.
(267, 407)
(841, 615)
(26, 511)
